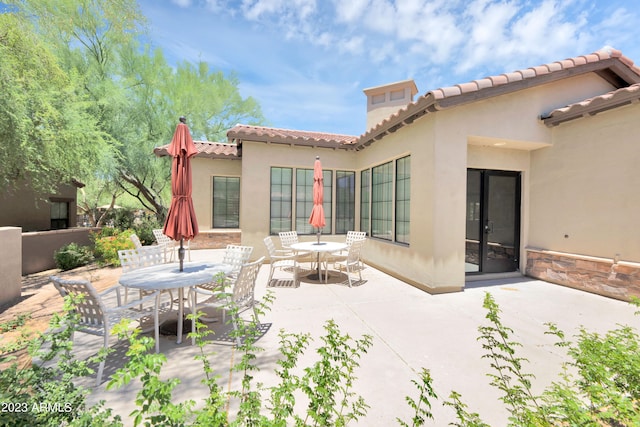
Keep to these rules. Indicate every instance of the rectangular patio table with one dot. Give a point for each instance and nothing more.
(168, 277)
(319, 248)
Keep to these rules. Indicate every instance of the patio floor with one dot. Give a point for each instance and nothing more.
(411, 329)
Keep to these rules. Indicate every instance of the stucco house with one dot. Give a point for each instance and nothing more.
(32, 211)
(530, 172)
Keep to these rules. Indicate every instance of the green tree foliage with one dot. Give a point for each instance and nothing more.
(47, 130)
(133, 93)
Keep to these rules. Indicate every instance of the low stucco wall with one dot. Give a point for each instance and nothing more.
(38, 247)
(10, 267)
(609, 277)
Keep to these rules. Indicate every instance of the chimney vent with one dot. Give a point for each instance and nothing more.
(385, 100)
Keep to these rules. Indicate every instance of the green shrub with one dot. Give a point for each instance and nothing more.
(144, 226)
(72, 256)
(107, 244)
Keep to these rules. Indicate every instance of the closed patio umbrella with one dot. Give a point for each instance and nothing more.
(181, 222)
(317, 218)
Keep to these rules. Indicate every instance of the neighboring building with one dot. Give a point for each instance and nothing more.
(22, 207)
(533, 171)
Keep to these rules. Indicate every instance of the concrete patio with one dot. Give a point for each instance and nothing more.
(410, 328)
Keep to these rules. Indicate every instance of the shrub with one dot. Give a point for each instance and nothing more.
(72, 256)
(144, 226)
(107, 244)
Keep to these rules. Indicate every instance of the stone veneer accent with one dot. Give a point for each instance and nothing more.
(608, 277)
(216, 239)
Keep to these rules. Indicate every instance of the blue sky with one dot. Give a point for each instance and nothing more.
(307, 61)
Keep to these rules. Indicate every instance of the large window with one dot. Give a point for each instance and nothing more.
(59, 215)
(281, 199)
(283, 208)
(385, 194)
(403, 197)
(382, 201)
(345, 201)
(304, 200)
(226, 202)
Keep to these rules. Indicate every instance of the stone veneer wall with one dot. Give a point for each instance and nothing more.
(216, 239)
(608, 277)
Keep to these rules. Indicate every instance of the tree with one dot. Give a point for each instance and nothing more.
(136, 96)
(48, 135)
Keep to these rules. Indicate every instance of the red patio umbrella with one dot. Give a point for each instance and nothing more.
(317, 213)
(181, 220)
(317, 219)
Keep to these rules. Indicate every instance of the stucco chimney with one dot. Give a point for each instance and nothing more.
(383, 101)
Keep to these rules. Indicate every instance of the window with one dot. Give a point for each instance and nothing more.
(403, 197)
(345, 201)
(59, 215)
(281, 199)
(385, 200)
(226, 202)
(382, 201)
(365, 185)
(304, 200)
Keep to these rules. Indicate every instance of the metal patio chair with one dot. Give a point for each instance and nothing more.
(240, 295)
(96, 318)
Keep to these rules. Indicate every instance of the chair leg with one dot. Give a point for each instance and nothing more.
(102, 363)
(270, 274)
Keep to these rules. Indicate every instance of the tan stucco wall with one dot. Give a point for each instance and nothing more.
(257, 160)
(585, 187)
(502, 133)
(11, 265)
(203, 170)
(24, 208)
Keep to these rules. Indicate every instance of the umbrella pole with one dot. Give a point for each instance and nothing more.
(181, 253)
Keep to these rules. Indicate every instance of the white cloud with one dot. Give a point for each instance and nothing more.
(350, 11)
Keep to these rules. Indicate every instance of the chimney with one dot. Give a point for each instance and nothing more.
(383, 101)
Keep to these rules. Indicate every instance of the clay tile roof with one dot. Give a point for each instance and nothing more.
(593, 106)
(240, 133)
(609, 63)
(211, 150)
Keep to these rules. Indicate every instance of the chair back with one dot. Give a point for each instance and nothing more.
(161, 238)
(236, 256)
(355, 235)
(136, 241)
(89, 306)
(129, 259)
(244, 288)
(150, 255)
(271, 247)
(288, 238)
(353, 257)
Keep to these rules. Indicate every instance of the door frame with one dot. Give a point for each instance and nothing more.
(483, 263)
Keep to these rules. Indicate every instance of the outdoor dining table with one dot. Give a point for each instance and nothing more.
(168, 277)
(319, 248)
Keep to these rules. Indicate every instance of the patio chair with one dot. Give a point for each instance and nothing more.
(145, 256)
(281, 259)
(352, 262)
(169, 246)
(288, 238)
(136, 241)
(235, 256)
(240, 296)
(96, 318)
(342, 255)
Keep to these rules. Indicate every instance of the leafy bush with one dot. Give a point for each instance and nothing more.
(72, 256)
(144, 226)
(107, 244)
(44, 392)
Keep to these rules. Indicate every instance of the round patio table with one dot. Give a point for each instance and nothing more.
(168, 276)
(319, 248)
